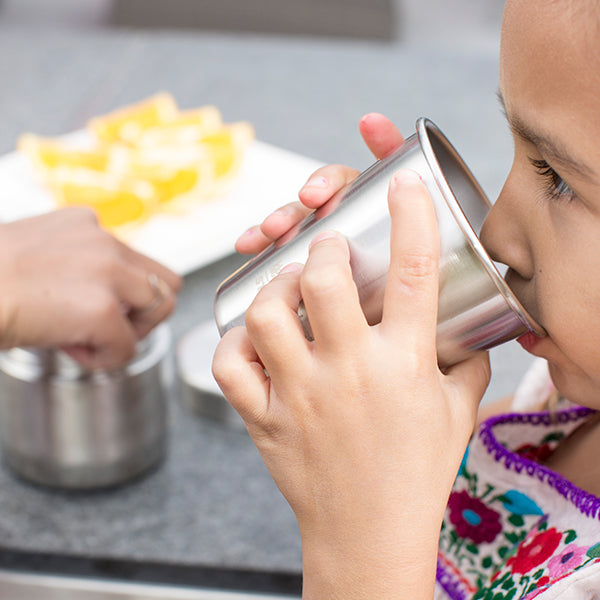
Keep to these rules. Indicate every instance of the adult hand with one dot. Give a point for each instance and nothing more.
(360, 429)
(381, 136)
(66, 283)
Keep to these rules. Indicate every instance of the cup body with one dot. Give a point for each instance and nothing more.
(68, 428)
(477, 310)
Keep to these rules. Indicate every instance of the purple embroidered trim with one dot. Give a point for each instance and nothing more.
(586, 503)
(450, 584)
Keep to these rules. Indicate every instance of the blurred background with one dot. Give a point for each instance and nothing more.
(302, 72)
(396, 20)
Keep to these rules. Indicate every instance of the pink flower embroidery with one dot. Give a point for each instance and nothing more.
(570, 558)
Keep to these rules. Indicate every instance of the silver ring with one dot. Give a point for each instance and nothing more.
(161, 291)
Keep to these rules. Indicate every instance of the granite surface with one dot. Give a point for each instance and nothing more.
(212, 503)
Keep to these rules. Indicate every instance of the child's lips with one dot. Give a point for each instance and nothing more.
(529, 341)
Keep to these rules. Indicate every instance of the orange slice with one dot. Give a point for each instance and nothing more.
(187, 127)
(173, 170)
(168, 182)
(226, 147)
(140, 159)
(117, 202)
(128, 123)
(48, 153)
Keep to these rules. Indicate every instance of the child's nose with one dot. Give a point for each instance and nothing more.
(504, 236)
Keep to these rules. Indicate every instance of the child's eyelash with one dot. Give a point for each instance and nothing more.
(556, 187)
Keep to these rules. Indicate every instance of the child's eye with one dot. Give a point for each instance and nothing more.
(556, 187)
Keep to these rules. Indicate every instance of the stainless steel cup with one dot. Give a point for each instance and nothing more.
(477, 310)
(69, 428)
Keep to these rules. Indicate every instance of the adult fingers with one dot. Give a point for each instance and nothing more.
(237, 369)
(411, 294)
(106, 340)
(145, 289)
(149, 265)
(380, 134)
(149, 300)
(330, 294)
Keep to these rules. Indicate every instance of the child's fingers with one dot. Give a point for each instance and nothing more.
(471, 377)
(252, 241)
(411, 294)
(283, 219)
(257, 238)
(273, 324)
(324, 183)
(237, 369)
(320, 187)
(330, 294)
(380, 134)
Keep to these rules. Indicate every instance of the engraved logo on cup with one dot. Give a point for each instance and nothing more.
(263, 278)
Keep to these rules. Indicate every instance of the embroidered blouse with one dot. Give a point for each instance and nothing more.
(514, 528)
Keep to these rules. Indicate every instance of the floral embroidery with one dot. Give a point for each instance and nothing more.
(538, 547)
(497, 543)
(570, 558)
(540, 452)
(518, 503)
(473, 519)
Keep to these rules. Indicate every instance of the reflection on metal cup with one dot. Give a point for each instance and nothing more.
(476, 311)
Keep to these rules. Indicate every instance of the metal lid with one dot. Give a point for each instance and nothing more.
(198, 389)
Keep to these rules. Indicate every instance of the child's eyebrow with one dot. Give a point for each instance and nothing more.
(547, 146)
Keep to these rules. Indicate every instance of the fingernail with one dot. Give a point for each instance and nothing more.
(316, 181)
(324, 235)
(407, 176)
(291, 268)
(284, 211)
(248, 232)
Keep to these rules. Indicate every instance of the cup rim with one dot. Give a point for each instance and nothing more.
(424, 126)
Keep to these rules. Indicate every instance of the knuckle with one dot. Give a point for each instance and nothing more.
(262, 313)
(417, 265)
(103, 307)
(326, 280)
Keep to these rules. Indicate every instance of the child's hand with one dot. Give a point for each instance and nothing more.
(381, 136)
(360, 429)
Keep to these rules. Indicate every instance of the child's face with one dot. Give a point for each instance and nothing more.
(546, 223)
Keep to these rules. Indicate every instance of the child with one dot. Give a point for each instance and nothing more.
(362, 432)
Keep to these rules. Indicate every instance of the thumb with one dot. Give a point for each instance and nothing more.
(471, 378)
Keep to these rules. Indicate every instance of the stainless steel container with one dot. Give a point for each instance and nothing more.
(477, 310)
(66, 427)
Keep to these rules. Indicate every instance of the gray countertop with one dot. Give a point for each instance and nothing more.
(212, 502)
